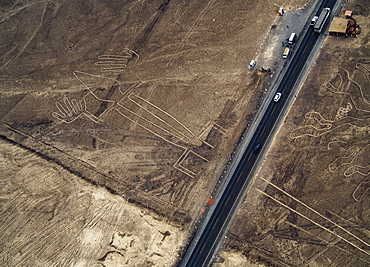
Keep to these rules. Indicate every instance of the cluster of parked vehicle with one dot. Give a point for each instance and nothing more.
(317, 22)
(292, 38)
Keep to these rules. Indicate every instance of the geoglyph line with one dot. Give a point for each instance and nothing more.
(340, 80)
(220, 128)
(30, 38)
(319, 132)
(331, 244)
(159, 118)
(169, 115)
(137, 21)
(152, 123)
(352, 156)
(185, 171)
(357, 168)
(312, 221)
(343, 112)
(354, 168)
(142, 126)
(181, 168)
(318, 118)
(365, 69)
(336, 141)
(116, 63)
(359, 87)
(72, 110)
(363, 65)
(96, 76)
(348, 94)
(359, 185)
(12, 13)
(178, 164)
(190, 31)
(316, 212)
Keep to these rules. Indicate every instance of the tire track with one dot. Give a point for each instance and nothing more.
(190, 31)
(91, 175)
(29, 40)
(144, 34)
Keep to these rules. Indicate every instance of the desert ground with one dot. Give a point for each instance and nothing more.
(309, 203)
(117, 119)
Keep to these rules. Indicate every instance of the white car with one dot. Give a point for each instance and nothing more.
(277, 97)
(313, 21)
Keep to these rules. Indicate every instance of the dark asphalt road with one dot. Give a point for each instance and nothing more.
(203, 252)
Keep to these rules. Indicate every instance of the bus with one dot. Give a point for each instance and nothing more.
(321, 20)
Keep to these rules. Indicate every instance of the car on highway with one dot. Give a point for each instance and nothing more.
(313, 21)
(277, 97)
(257, 148)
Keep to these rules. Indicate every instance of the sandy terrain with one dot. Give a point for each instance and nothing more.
(132, 99)
(309, 204)
(118, 117)
(50, 217)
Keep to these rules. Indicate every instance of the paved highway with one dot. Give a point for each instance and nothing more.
(201, 254)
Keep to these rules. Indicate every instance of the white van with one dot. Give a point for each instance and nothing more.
(286, 52)
(292, 38)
